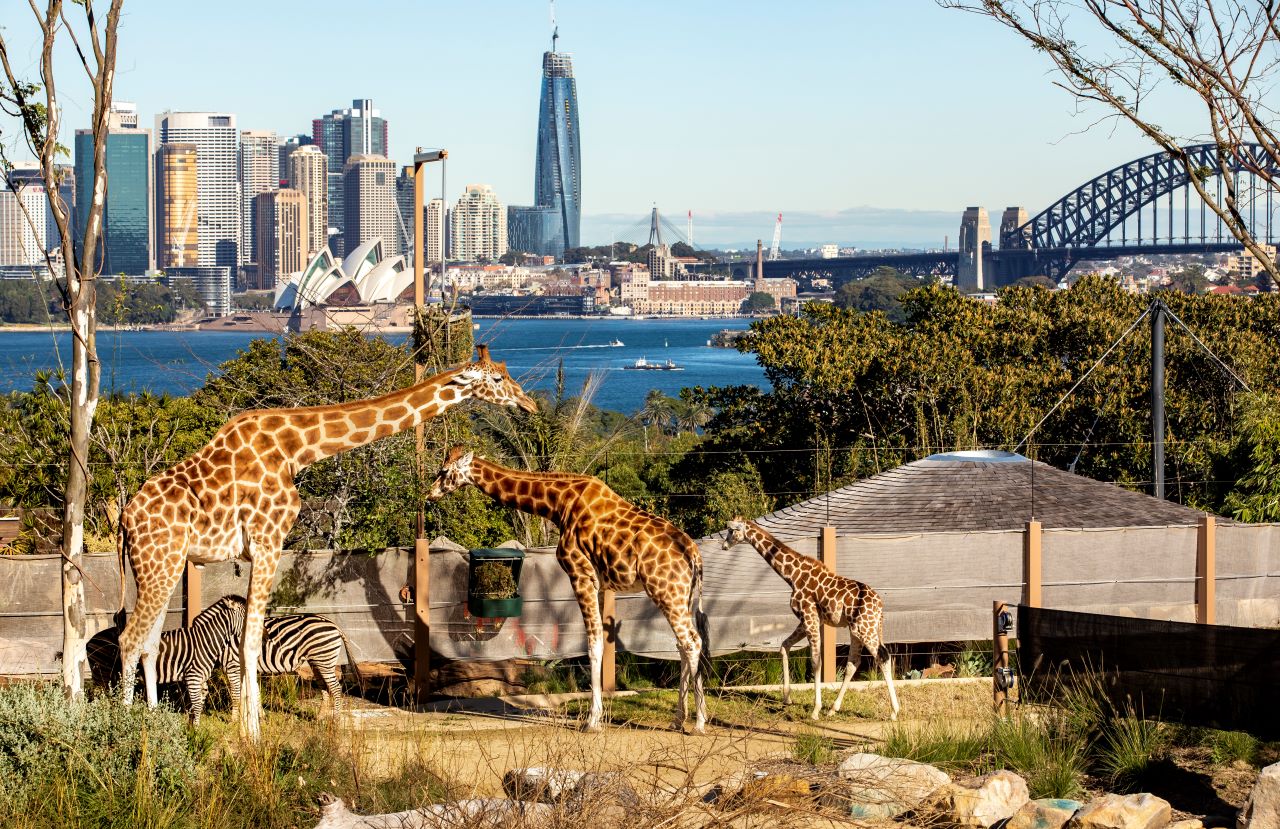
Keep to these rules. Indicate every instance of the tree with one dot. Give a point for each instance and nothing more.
(1189, 280)
(1219, 57)
(1036, 282)
(881, 290)
(39, 109)
(758, 302)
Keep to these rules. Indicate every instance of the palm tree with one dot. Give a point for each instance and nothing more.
(691, 416)
(657, 411)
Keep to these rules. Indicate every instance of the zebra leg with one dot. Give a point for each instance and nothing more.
(196, 689)
(328, 674)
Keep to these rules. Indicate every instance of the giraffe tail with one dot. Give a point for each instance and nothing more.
(700, 622)
(113, 517)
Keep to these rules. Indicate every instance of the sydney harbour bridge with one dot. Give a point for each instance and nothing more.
(1146, 206)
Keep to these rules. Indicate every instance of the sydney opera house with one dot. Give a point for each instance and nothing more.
(364, 277)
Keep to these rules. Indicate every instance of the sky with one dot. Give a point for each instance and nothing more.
(869, 124)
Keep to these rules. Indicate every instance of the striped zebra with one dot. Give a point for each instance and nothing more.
(189, 655)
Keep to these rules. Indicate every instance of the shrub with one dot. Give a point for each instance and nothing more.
(1051, 758)
(1130, 746)
(1229, 746)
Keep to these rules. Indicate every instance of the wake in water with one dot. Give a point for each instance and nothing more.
(556, 347)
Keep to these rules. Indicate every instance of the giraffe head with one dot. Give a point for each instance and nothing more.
(454, 473)
(487, 380)
(735, 532)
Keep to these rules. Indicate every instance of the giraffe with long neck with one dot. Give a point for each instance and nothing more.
(819, 596)
(235, 499)
(606, 542)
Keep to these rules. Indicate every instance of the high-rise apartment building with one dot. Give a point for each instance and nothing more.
(370, 198)
(286, 148)
(28, 173)
(177, 206)
(558, 164)
(434, 231)
(23, 229)
(217, 145)
(308, 173)
(282, 240)
(341, 134)
(478, 226)
(259, 173)
(127, 230)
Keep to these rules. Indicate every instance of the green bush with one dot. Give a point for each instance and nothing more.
(1129, 748)
(814, 749)
(1229, 746)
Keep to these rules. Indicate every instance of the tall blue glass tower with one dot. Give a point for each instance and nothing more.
(125, 246)
(558, 175)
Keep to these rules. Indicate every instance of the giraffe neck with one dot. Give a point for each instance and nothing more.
(785, 561)
(539, 493)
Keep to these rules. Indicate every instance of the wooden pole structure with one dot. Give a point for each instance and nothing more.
(1032, 565)
(1000, 658)
(827, 548)
(191, 598)
(609, 663)
(1206, 569)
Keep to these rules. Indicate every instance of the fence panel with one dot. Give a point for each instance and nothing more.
(1248, 575)
(1133, 571)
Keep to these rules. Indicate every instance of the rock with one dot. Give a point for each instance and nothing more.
(1262, 809)
(938, 672)
(1189, 823)
(981, 801)
(1133, 811)
(488, 814)
(541, 785)
(754, 785)
(872, 786)
(1046, 813)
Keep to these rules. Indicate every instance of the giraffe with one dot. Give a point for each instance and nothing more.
(605, 542)
(820, 596)
(235, 498)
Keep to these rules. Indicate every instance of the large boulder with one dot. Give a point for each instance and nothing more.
(1130, 811)
(872, 786)
(981, 801)
(1046, 813)
(1262, 809)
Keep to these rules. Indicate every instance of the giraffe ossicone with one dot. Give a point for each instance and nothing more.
(235, 498)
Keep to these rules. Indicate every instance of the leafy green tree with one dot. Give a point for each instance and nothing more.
(882, 291)
(1036, 282)
(758, 302)
(1189, 280)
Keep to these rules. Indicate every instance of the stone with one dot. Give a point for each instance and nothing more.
(778, 788)
(981, 801)
(490, 813)
(938, 672)
(1189, 823)
(1045, 813)
(1131, 811)
(871, 786)
(549, 785)
(1262, 809)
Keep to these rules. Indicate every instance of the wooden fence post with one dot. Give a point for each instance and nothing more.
(1032, 565)
(191, 598)
(827, 549)
(421, 619)
(1206, 569)
(609, 663)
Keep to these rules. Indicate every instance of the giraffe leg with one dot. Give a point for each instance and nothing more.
(142, 628)
(886, 667)
(850, 665)
(255, 613)
(689, 643)
(787, 644)
(813, 628)
(587, 591)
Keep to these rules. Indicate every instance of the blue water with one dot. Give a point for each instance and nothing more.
(178, 362)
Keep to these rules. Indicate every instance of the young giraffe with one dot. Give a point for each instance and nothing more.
(820, 596)
(235, 498)
(605, 541)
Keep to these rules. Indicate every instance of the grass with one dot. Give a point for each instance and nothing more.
(1226, 747)
(1129, 748)
(813, 749)
(939, 743)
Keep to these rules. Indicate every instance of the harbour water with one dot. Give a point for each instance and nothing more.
(178, 362)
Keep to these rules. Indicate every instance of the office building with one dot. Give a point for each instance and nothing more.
(217, 161)
(259, 173)
(370, 203)
(434, 231)
(433, 226)
(534, 230)
(308, 174)
(285, 149)
(127, 213)
(478, 226)
(177, 207)
(341, 134)
(558, 163)
(213, 285)
(281, 222)
(24, 235)
(28, 173)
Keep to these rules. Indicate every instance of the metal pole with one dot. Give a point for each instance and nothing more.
(1157, 396)
(1000, 659)
(421, 547)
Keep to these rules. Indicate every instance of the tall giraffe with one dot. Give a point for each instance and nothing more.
(605, 542)
(235, 498)
(820, 596)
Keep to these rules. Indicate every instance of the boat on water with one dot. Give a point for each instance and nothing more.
(615, 343)
(641, 364)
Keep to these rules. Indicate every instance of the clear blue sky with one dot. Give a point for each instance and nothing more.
(868, 122)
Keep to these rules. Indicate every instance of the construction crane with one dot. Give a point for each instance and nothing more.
(775, 250)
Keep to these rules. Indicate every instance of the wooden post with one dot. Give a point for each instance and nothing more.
(1000, 658)
(421, 546)
(191, 600)
(421, 620)
(1206, 569)
(1032, 566)
(827, 548)
(609, 664)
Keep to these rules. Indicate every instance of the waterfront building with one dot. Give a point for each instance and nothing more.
(127, 230)
(534, 230)
(434, 231)
(1245, 266)
(501, 278)
(259, 173)
(217, 160)
(365, 278)
(24, 231)
(370, 203)
(341, 134)
(696, 297)
(281, 221)
(558, 161)
(829, 251)
(177, 206)
(212, 283)
(478, 226)
(662, 265)
(501, 305)
(308, 174)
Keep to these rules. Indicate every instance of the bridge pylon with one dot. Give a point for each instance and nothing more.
(974, 246)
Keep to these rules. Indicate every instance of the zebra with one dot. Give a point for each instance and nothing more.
(189, 655)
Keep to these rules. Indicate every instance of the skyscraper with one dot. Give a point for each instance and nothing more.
(371, 210)
(177, 207)
(23, 240)
(259, 173)
(286, 148)
(478, 225)
(125, 246)
(434, 231)
(308, 173)
(359, 130)
(558, 165)
(216, 139)
(282, 235)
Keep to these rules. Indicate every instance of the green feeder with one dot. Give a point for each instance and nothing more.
(493, 582)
